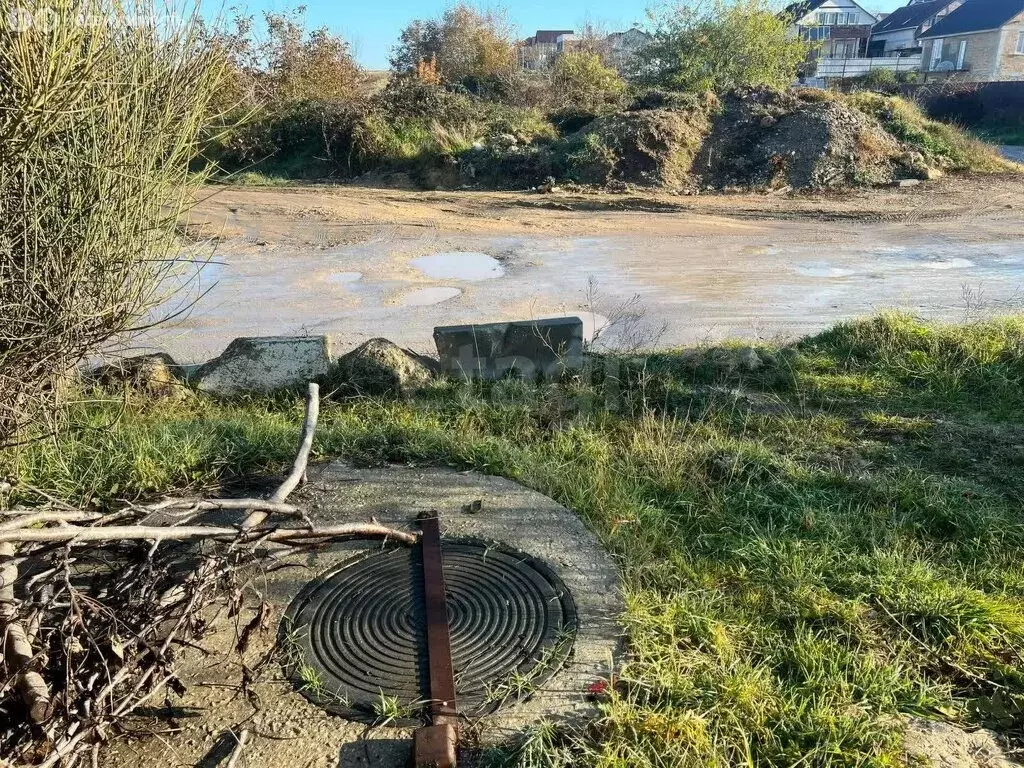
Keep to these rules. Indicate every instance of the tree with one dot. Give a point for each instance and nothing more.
(717, 45)
(467, 45)
(285, 63)
(581, 80)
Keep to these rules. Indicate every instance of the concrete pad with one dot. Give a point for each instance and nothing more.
(528, 349)
(288, 730)
(265, 364)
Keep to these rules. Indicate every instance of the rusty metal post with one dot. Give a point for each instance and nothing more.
(434, 746)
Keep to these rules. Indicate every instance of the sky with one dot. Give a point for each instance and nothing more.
(372, 26)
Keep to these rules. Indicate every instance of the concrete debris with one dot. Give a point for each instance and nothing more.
(267, 364)
(379, 367)
(153, 374)
(528, 349)
(941, 745)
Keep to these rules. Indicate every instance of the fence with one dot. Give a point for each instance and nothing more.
(832, 68)
(971, 104)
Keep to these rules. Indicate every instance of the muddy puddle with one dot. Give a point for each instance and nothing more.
(459, 265)
(424, 297)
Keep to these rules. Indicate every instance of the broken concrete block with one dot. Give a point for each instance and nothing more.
(265, 364)
(528, 349)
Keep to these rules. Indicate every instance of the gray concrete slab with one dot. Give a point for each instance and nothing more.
(286, 729)
(528, 349)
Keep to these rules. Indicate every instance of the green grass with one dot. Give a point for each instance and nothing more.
(1001, 133)
(810, 548)
(945, 146)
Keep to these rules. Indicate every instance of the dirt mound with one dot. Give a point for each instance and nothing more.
(651, 147)
(762, 138)
(801, 139)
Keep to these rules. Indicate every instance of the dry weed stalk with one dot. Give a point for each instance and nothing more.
(98, 125)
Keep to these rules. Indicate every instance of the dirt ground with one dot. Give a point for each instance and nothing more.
(290, 213)
(650, 268)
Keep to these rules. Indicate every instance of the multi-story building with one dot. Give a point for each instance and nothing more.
(539, 51)
(981, 41)
(898, 33)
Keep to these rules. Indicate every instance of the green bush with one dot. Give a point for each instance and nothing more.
(719, 45)
(879, 80)
(580, 80)
(307, 139)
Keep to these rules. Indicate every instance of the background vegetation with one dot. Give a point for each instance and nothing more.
(715, 45)
(458, 109)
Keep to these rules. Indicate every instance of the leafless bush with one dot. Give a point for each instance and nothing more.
(98, 123)
(627, 328)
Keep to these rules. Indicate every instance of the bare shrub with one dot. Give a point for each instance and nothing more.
(98, 123)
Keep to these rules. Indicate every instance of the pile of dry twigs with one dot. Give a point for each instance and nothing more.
(94, 607)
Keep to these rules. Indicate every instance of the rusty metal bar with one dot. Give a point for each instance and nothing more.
(435, 745)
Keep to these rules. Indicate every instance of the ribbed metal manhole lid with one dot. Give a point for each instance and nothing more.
(354, 639)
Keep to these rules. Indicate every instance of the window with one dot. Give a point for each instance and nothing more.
(844, 49)
(1020, 42)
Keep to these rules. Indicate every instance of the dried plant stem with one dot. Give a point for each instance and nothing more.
(73, 534)
(16, 650)
(241, 740)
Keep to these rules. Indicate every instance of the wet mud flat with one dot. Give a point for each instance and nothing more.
(714, 280)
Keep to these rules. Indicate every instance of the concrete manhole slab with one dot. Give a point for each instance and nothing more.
(288, 729)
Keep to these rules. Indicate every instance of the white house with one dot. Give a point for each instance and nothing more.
(842, 27)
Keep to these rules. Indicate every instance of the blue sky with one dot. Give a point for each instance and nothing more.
(372, 26)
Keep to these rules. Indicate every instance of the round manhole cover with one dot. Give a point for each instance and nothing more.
(354, 640)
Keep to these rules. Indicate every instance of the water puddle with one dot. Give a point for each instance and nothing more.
(345, 278)
(459, 265)
(822, 269)
(424, 297)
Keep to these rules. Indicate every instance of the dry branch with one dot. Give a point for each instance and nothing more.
(301, 457)
(241, 740)
(107, 626)
(73, 534)
(15, 650)
(25, 521)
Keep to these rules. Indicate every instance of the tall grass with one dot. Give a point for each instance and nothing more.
(101, 105)
(944, 146)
